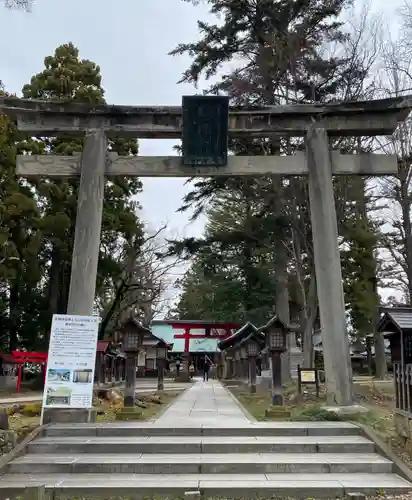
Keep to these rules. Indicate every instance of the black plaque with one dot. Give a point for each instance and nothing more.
(205, 130)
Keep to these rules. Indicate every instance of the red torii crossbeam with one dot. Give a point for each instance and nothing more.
(208, 327)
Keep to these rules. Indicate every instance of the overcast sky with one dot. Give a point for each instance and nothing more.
(130, 40)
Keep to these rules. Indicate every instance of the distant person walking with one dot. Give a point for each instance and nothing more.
(191, 369)
(206, 367)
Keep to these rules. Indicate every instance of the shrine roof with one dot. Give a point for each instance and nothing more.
(395, 320)
(244, 332)
(151, 340)
(8, 358)
(194, 322)
(102, 345)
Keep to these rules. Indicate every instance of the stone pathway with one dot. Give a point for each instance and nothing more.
(204, 403)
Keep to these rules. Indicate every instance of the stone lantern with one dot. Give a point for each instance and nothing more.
(229, 361)
(132, 332)
(252, 348)
(238, 367)
(243, 360)
(276, 337)
(161, 355)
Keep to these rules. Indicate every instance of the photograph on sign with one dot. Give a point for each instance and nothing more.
(71, 362)
(308, 376)
(59, 375)
(82, 376)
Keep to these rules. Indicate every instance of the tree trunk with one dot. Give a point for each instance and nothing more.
(372, 287)
(14, 313)
(281, 272)
(54, 283)
(312, 304)
(65, 270)
(380, 357)
(247, 257)
(282, 300)
(407, 228)
(112, 310)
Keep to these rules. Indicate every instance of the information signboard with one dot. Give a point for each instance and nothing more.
(308, 376)
(71, 362)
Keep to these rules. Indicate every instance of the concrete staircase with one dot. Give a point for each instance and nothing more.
(241, 460)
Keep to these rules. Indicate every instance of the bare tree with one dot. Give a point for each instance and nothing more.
(396, 80)
(18, 4)
(141, 286)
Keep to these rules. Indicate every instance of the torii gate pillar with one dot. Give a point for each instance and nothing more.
(88, 224)
(328, 269)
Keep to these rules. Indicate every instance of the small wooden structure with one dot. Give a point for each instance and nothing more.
(396, 325)
(148, 353)
(21, 357)
(110, 362)
(236, 366)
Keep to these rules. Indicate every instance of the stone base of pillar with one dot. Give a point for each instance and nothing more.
(129, 414)
(63, 416)
(277, 412)
(182, 377)
(296, 358)
(345, 411)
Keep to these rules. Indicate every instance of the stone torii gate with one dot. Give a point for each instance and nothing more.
(314, 122)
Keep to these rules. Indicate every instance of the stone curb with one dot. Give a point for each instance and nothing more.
(21, 448)
(399, 467)
(239, 405)
(163, 410)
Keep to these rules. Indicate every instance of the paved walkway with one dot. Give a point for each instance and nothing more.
(204, 403)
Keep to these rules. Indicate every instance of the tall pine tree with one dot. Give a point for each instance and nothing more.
(66, 76)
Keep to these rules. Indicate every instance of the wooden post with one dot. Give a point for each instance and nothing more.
(102, 371)
(130, 383)
(252, 374)
(245, 364)
(88, 224)
(110, 369)
(277, 390)
(160, 374)
(369, 355)
(299, 380)
(328, 269)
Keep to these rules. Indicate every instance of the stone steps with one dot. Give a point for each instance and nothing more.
(210, 485)
(148, 429)
(241, 460)
(202, 444)
(205, 463)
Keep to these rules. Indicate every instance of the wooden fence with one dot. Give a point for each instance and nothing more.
(403, 386)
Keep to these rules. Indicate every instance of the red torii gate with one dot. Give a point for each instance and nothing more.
(208, 326)
(20, 357)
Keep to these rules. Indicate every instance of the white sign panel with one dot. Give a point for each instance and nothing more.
(71, 362)
(203, 345)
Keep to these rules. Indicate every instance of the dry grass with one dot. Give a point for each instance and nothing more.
(154, 403)
(24, 418)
